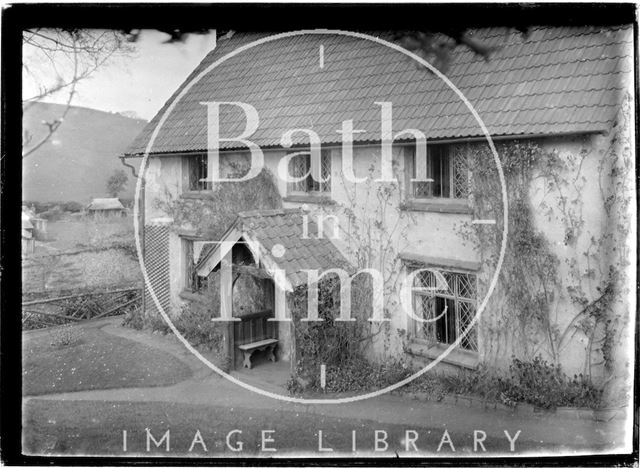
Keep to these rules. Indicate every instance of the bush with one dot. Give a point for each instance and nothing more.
(127, 246)
(535, 382)
(158, 324)
(71, 207)
(196, 326)
(194, 323)
(357, 374)
(212, 215)
(127, 202)
(53, 214)
(545, 385)
(338, 345)
(133, 319)
(65, 335)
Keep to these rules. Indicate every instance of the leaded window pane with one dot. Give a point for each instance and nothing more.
(447, 172)
(301, 165)
(466, 312)
(460, 174)
(451, 309)
(198, 172)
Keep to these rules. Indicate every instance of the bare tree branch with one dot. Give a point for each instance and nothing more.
(67, 57)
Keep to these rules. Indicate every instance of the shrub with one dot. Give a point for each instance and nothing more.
(357, 374)
(53, 214)
(40, 206)
(196, 326)
(127, 246)
(65, 335)
(338, 345)
(535, 382)
(127, 202)
(133, 319)
(71, 207)
(194, 323)
(212, 215)
(158, 324)
(545, 385)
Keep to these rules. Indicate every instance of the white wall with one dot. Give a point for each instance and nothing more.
(430, 234)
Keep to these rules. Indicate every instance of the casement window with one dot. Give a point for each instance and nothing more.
(197, 170)
(301, 164)
(192, 282)
(448, 311)
(447, 173)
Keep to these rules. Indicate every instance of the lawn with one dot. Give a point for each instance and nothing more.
(67, 359)
(74, 232)
(91, 269)
(82, 252)
(95, 428)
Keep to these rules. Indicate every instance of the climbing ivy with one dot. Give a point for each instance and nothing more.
(591, 273)
(529, 273)
(211, 213)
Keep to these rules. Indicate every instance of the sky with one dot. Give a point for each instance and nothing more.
(141, 83)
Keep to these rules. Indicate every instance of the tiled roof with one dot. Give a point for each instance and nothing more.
(557, 80)
(105, 204)
(284, 227)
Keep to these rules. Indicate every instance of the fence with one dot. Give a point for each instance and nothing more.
(41, 313)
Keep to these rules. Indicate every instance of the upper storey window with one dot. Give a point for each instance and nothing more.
(197, 167)
(447, 175)
(301, 165)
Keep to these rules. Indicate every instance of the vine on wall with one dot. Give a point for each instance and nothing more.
(529, 276)
(374, 232)
(590, 276)
(213, 212)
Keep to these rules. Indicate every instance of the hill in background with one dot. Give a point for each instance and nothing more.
(75, 163)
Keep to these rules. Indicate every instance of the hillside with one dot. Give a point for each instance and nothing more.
(76, 162)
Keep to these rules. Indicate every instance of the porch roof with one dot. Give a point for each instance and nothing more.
(555, 80)
(267, 229)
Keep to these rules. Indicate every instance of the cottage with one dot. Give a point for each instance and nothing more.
(557, 106)
(106, 207)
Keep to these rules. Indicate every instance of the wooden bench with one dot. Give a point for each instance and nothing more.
(250, 348)
(254, 332)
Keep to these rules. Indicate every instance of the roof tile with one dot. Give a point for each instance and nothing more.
(569, 68)
(284, 227)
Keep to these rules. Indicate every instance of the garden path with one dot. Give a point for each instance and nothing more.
(207, 388)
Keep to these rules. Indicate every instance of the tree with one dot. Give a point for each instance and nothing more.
(55, 61)
(117, 182)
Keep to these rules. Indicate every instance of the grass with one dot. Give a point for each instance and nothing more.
(75, 232)
(83, 270)
(107, 255)
(68, 359)
(95, 428)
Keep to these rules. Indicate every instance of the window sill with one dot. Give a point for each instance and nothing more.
(457, 357)
(197, 195)
(438, 206)
(440, 262)
(308, 198)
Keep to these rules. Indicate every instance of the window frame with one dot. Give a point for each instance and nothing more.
(193, 177)
(323, 188)
(471, 341)
(456, 195)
